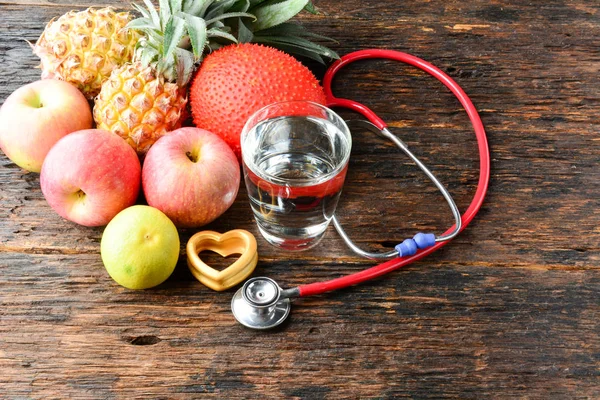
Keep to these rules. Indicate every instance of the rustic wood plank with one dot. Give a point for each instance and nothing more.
(417, 333)
(509, 309)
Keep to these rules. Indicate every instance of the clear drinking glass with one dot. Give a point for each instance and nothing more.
(295, 157)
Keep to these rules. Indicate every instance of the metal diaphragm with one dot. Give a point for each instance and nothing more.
(258, 304)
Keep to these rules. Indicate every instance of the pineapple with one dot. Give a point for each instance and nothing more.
(143, 100)
(84, 47)
(137, 104)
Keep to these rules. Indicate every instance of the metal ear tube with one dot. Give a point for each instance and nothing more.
(262, 304)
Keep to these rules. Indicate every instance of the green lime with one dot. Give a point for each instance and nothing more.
(140, 247)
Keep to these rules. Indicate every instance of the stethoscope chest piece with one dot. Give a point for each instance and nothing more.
(259, 304)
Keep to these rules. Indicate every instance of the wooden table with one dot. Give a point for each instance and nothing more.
(509, 309)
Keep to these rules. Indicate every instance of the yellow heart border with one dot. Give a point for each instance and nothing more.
(237, 241)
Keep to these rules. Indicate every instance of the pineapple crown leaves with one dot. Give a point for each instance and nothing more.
(270, 13)
(271, 27)
(179, 33)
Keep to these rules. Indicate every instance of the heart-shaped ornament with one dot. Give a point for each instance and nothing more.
(237, 241)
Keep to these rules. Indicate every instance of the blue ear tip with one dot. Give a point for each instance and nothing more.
(407, 248)
(424, 240)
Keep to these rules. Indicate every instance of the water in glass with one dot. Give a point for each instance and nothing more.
(294, 176)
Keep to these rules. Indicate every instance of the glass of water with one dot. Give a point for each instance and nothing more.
(295, 157)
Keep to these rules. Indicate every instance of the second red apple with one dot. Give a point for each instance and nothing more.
(191, 175)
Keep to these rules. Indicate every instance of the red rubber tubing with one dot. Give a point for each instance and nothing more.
(482, 144)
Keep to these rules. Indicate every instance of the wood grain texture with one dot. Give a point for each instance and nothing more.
(509, 309)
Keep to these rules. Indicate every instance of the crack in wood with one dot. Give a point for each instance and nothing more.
(145, 340)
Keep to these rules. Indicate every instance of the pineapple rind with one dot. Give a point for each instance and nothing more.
(139, 106)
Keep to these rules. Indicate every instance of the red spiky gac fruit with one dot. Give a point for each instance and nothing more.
(238, 80)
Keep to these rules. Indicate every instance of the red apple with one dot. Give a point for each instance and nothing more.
(191, 175)
(34, 117)
(89, 176)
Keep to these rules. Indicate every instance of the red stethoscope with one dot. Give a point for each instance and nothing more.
(262, 304)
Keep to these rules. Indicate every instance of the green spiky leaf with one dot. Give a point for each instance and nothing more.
(240, 6)
(187, 5)
(149, 55)
(297, 43)
(141, 24)
(296, 50)
(141, 10)
(174, 31)
(196, 28)
(208, 5)
(154, 37)
(217, 8)
(184, 66)
(229, 15)
(175, 6)
(310, 7)
(166, 67)
(269, 15)
(219, 33)
(293, 29)
(244, 34)
(153, 13)
(165, 12)
(196, 7)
